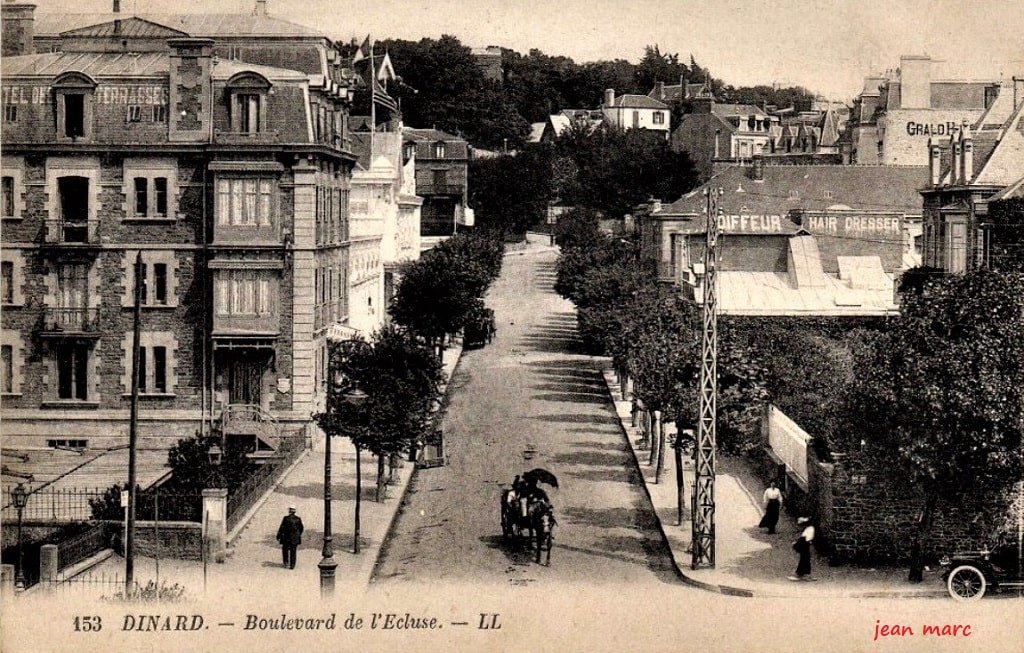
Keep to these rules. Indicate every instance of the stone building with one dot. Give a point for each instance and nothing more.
(215, 147)
(442, 180)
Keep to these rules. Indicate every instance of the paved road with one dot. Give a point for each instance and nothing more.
(531, 386)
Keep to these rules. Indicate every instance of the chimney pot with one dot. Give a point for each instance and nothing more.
(659, 90)
(609, 97)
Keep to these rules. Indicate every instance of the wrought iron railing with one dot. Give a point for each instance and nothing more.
(57, 504)
(80, 547)
(59, 231)
(56, 319)
(242, 498)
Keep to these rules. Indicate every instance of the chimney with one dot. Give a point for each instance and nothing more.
(261, 8)
(915, 82)
(718, 132)
(18, 29)
(659, 90)
(190, 102)
(682, 88)
(934, 161)
(609, 98)
(757, 170)
(954, 177)
(967, 150)
(702, 105)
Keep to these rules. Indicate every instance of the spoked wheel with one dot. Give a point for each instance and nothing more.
(966, 583)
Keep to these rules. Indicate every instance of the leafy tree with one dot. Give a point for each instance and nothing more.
(656, 66)
(941, 394)
(1007, 240)
(577, 228)
(511, 193)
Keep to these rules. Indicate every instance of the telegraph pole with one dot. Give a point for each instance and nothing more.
(133, 428)
(703, 544)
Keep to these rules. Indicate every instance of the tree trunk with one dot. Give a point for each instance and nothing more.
(924, 525)
(660, 430)
(679, 479)
(380, 478)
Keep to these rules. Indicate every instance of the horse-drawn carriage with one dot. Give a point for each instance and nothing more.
(527, 516)
(480, 328)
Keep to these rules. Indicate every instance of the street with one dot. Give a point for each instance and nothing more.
(530, 388)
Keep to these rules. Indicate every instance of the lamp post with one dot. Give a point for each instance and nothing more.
(20, 496)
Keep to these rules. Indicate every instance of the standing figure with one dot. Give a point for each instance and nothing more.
(289, 534)
(772, 504)
(803, 547)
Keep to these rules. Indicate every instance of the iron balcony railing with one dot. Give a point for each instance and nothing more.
(69, 320)
(67, 232)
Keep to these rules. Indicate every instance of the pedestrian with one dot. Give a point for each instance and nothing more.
(772, 504)
(803, 547)
(289, 534)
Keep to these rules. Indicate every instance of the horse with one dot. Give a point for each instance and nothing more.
(543, 522)
(515, 515)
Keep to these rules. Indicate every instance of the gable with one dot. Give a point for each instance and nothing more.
(133, 27)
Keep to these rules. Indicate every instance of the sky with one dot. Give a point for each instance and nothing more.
(828, 46)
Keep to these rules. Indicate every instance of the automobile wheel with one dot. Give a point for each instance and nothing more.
(966, 583)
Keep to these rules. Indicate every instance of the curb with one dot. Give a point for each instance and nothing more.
(404, 492)
(728, 590)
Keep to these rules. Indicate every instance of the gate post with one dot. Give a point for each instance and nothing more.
(48, 563)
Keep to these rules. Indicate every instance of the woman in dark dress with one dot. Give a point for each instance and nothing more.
(772, 503)
(803, 547)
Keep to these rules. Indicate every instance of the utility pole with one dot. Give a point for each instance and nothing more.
(133, 428)
(703, 543)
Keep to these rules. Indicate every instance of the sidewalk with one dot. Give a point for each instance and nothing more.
(748, 561)
(255, 557)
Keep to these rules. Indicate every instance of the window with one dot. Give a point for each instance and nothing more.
(160, 113)
(135, 113)
(8, 187)
(160, 193)
(659, 118)
(7, 282)
(72, 372)
(245, 292)
(439, 150)
(153, 370)
(160, 283)
(6, 369)
(141, 196)
(440, 178)
(74, 115)
(248, 112)
(68, 444)
(410, 150)
(72, 286)
(10, 113)
(245, 202)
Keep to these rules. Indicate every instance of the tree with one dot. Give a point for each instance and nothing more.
(511, 193)
(1007, 240)
(941, 394)
(658, 67)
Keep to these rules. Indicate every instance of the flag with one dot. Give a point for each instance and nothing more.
(364, 51)
(381, 97)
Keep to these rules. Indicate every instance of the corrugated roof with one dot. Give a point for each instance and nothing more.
(790, 187)
(94, 64)
(213, 25)
(773, 293)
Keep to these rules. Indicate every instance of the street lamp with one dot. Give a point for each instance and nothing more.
(20, 496)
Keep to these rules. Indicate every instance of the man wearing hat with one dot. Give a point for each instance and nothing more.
(803, 547)
(289, 534)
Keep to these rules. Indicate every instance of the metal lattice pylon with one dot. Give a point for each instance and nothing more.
(703, 536)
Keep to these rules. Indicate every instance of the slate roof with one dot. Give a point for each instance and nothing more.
(785, 188)
(213, 25)
(1014, 190)
(638, 102)
(536, 131)
(132, 27)
(735, 110)
(223, 69)
(94, 64)
(432, 135)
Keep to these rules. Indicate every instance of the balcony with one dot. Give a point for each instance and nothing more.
(83, 234)
(268, 137)
(69, 323)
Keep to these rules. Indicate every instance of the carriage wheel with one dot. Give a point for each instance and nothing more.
(966, 583)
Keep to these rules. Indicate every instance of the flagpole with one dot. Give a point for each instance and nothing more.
(373, 102)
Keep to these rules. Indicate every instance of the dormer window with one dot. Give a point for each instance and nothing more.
(72, 94)
(439, 150)
(410, 150)
(247, 92)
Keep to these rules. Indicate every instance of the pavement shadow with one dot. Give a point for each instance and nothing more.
(340, 490)
(595, 458)
(572, 397)
(606, 475)
(596, 444)
(573, 385)
(517, 554)
(617, 517)
(552, 345)
(575, 418)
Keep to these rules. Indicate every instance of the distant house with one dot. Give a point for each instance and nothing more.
(675, 93)
(442, 168)
(968, 170)
(488, 59)
(635, 112)
(558, 123)
(723, 132)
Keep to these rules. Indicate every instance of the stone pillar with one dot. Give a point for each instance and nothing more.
(48, 564)
(215, 521)
(7, 580)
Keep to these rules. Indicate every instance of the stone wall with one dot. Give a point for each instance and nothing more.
(177, 540)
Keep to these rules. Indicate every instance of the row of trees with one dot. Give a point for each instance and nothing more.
(609, 171)
(442, 86)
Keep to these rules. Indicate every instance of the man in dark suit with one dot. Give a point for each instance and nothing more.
(290, 536)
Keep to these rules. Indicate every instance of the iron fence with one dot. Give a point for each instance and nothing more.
(246, 495)
(53, 504)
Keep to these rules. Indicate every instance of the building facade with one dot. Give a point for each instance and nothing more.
(896, 113)
(635, 112)
(229, 178)
(722, 132)
(442, 180)
(974, 166)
